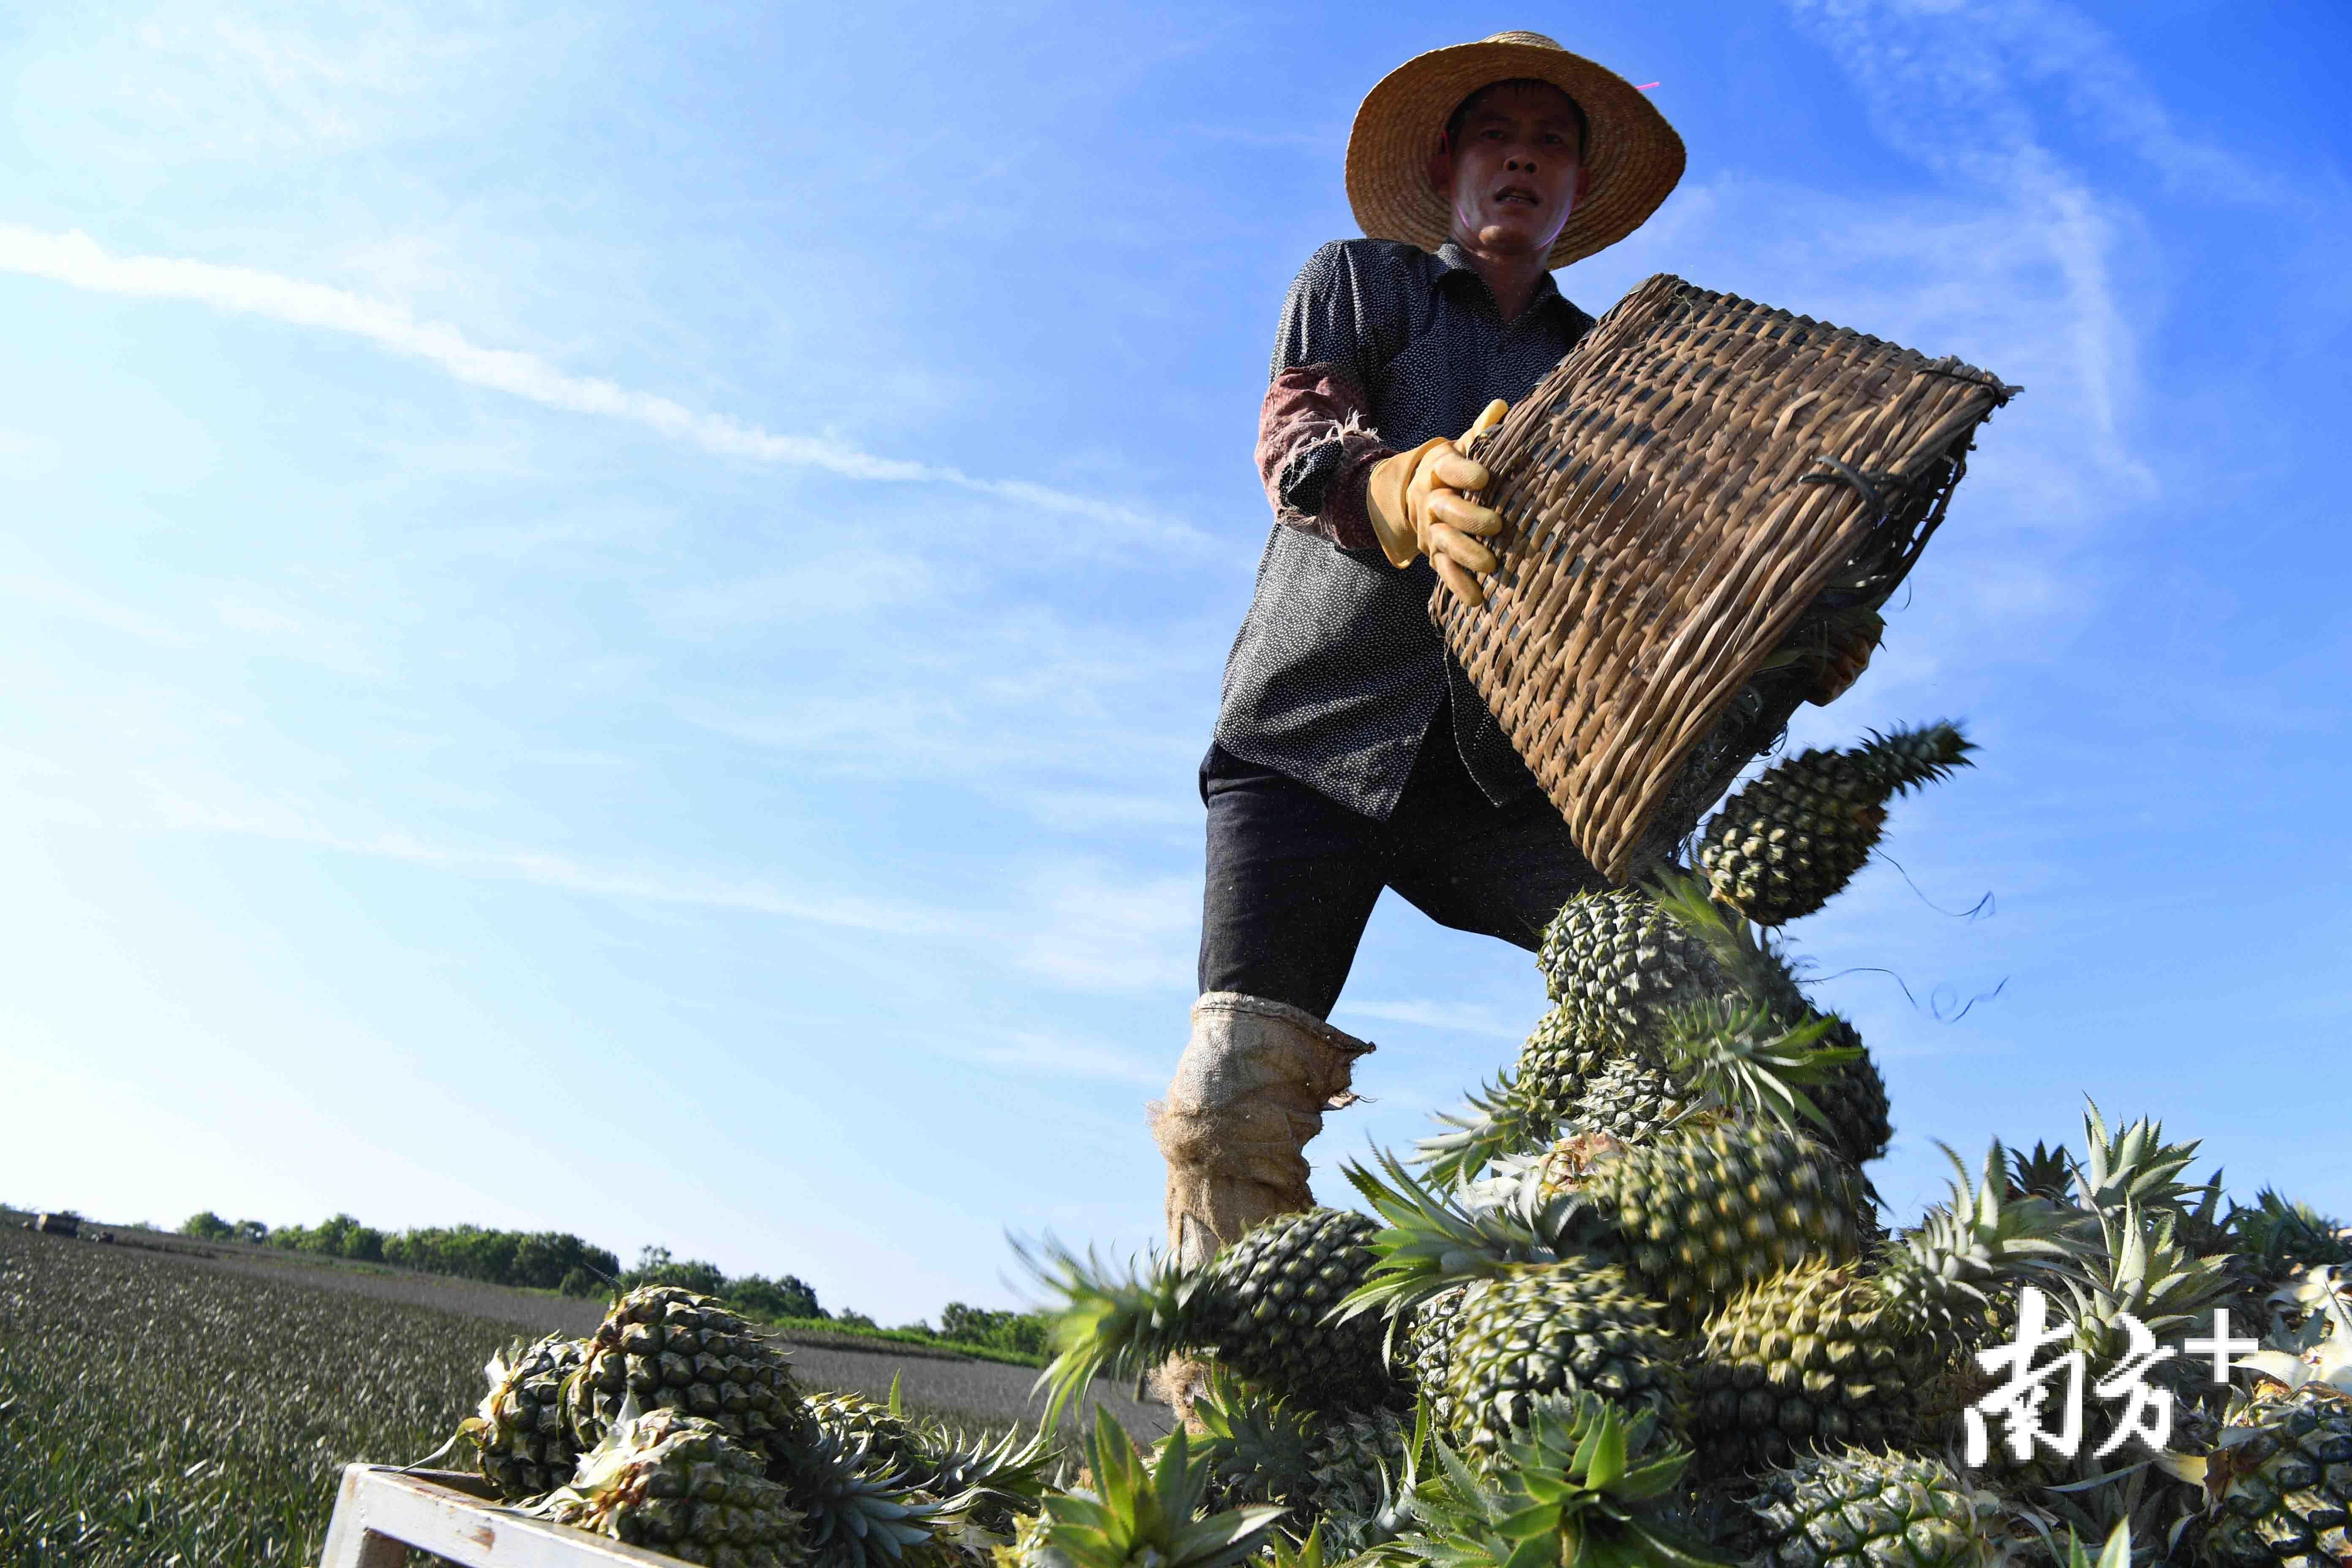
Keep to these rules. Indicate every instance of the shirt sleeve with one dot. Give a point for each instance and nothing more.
(1316, 444)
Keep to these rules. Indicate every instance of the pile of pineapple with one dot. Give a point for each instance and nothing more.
(677, 1428)
(1633, 1306)
(1636, 1304)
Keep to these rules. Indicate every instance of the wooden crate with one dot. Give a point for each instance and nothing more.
(381, 1512)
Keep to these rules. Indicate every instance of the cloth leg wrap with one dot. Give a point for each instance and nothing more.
(1249, 1092)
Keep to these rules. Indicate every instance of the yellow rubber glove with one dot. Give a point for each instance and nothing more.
(1419, 505)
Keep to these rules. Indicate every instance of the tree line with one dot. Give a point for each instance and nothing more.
(558, 1260)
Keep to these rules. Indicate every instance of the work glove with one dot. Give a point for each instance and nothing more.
(1419, 504)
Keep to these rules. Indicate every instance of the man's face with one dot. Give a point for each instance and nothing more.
(1513, 175)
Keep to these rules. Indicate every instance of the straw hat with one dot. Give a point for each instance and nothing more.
(1634, 155)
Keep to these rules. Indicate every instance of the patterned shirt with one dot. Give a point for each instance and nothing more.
(1337, 673)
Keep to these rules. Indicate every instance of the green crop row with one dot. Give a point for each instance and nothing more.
(161, 1412)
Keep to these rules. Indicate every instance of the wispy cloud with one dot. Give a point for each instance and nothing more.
(1090, 928)
(79, 261)
(179, 811)
(1059, 1057)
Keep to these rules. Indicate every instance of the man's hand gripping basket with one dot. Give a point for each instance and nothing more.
(1700, 485)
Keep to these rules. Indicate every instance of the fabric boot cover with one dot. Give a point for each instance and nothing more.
(1250, 1091)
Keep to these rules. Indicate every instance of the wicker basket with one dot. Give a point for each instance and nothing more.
(1686, 486)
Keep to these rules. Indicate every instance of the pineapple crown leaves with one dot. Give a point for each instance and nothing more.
(1726, 934)
(2135, 1164)
(1149, 1515)
(2046, 1172)
(1902, 759)
(1309, 1553)
(2116, 1553)
(2139, 1267)
(1572, 1491)
(1735, 1056)
(1255, 1447)
(1434, 1241)
(2275, 1234)
(858, 1512)
(1008, 1471)
(1119, 1322)
(1981, 1235)
(1498, 1121)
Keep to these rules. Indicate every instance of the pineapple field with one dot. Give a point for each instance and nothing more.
(158, 1406)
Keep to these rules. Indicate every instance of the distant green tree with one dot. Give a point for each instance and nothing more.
(252, 1230)
(657, 1267)
(581, 1283)
(208, 1226)
(1021, 1333)
(545, 1258)
(758, 1297)
(343, 1237)
(851, 1318)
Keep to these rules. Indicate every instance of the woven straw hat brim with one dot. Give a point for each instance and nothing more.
(1634, 155)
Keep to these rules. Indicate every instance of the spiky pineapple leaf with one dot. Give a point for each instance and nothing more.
(1736, 1056)
(1573, 1491)
(1118, 1321)
(1150, 1514)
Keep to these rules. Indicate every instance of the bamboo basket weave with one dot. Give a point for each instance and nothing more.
(1692, 482)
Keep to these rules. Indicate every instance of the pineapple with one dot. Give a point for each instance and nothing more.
(2135, 1165)
(1706, 1210)
(674, 1350)
(679, 1484)
(2281, 1493)
(1348, 1476)
(1525, 1109)
(1631, 969)
(1860, 1510)
(1617, 960)
(522, 1443)
(1570, 1328)
(1426, 1347)
(1852, 1097)
(1629, 1100)
(1697, 1057)
(1782, 847)
(1360, 1481)
(1257, 1308)
(1557, 1062)
(1838, 1353)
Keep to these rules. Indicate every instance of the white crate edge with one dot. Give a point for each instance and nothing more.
(381, 1512)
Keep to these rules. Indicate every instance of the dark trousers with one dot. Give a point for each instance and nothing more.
(1293, 875)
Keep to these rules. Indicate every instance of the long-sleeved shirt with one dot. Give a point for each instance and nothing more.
(1337, 673)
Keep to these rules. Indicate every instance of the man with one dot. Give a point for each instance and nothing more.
(1350, 753)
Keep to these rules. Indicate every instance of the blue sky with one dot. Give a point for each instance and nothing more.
(609, 613)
